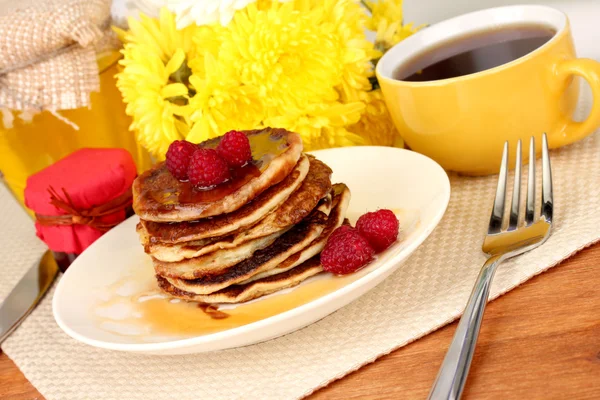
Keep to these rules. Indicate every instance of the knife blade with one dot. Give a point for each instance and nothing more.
(27, 294)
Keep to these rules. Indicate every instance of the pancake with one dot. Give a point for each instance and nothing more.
(252, 290)
(209, 263)
(291, 272)
(315, 186)
(160, 197)
(294, 240)
(218, 262)
(335, 219)
(221, 225)
(179, 252)
(151, 248)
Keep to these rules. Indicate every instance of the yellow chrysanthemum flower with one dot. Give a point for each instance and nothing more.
(154, 50)
(222, 103)
(159, 35)
(284, 53)
(387, 20)
(384, 11)
(389, 34)
(207, 40)
(323, 125)
(303, 65)
(306, 62)
(376, 126)
(355, 51)
(264, 4)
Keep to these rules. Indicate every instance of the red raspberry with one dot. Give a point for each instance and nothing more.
(346, 251)
(234, 147)
(207, 169)
(178, 158)
(341, 229)
(380, 228)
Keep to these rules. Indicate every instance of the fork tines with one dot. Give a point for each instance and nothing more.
(497, 217)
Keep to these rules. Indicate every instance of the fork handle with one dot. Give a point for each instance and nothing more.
(452, 375)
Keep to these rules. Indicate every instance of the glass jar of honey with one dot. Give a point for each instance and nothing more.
(58, 94)
(27, 146)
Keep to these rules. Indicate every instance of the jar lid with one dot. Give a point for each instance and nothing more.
(47, 56)
(77, 198)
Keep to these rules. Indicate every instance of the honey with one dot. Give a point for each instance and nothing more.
(137, 309)
(166, 191)
(186, 194)
(27, 146)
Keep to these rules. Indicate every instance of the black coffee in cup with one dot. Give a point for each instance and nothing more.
(473, 53)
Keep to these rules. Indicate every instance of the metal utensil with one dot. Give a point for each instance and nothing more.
(27, 294)
(500, 244)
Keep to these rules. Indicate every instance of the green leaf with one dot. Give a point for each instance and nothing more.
(182, 75)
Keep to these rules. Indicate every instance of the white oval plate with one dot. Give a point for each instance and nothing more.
(412, 185)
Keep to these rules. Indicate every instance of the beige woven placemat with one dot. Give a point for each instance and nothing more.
(425, 293)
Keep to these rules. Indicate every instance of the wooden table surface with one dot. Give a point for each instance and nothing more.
(539, 341)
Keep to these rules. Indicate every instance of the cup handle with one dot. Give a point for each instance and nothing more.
(589, 70)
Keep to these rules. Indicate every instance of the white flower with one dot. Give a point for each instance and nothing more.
(205, 12)
(123, 9)
(200, 12)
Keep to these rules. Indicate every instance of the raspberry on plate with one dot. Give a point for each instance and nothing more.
(178, 158)
(380, 228)
(234, 147)
(207, 169)
(346, 251)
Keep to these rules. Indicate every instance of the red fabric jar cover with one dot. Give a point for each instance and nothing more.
(80, 197)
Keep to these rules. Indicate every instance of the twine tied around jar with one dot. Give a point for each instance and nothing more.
(89, 216)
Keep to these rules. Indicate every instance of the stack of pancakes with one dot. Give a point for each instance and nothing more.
(257, 234)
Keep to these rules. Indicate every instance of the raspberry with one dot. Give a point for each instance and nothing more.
(345, 252)
(207, 169)
(234, 147)
(380, 228)
(178, 158)
(341, 229)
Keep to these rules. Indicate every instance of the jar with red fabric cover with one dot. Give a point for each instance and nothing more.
(80, 197)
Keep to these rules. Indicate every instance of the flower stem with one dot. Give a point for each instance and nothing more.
(364, 3)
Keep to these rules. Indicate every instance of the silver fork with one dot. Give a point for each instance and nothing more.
(500, 244)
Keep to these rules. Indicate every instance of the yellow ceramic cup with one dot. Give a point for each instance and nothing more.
(463, 122)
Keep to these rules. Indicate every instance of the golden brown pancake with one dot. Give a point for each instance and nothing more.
(335, 219)
(292, 271)
(289, 243)
(222, 225)
(214, 262)
(219, 262)
(245, 292)
(182, 251)
(159, 196)
(315, 186)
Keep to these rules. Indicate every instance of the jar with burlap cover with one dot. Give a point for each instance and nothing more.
(58, 59)
(48, 53)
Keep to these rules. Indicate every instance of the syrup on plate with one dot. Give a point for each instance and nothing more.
(135, 307)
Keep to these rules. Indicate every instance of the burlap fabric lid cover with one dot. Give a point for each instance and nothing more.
(47, 52)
